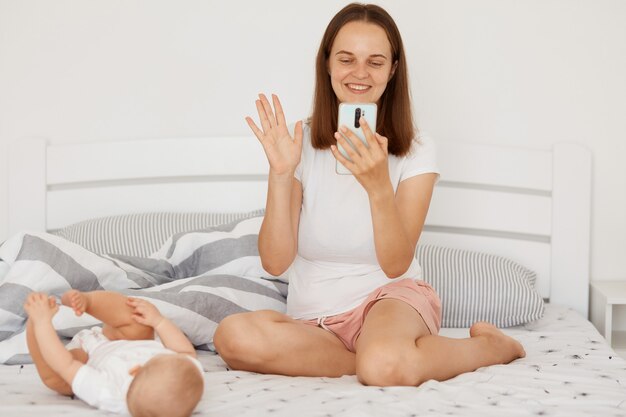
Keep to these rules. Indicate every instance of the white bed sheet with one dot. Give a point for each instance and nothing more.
(569, 371)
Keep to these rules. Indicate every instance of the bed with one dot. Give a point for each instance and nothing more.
(524, 209)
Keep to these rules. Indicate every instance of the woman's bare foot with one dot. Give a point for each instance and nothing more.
(76, 300)
(505, 348)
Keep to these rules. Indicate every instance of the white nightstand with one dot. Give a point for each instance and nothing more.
(605, 295)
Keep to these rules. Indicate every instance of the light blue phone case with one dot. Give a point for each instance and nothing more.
(349, 114)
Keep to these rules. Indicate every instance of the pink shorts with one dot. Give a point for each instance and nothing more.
(418, 294)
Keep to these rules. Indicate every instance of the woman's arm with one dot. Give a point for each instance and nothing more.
(398, 222)
(278, 238)
(397, 219)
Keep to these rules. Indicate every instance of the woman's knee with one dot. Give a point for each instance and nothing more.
(227, 332)
(244, 336)
(384, 364)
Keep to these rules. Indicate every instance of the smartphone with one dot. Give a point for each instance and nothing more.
(349, 116)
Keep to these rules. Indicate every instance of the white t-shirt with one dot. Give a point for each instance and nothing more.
(336, 266)
(104, 380)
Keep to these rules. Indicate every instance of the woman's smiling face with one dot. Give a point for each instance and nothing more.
(360, 63)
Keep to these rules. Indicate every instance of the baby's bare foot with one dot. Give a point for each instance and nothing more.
(76, 300)
(505, 348)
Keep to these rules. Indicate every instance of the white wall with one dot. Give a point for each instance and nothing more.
(514, 72)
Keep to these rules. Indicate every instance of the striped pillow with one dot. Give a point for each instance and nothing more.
(476, 286)
(143, 233)
(195, 279)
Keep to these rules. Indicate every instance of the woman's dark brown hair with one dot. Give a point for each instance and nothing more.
(395, 118)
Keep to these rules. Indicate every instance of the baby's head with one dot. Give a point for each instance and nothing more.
(167, 385)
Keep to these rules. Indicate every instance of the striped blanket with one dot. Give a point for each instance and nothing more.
(195, 279)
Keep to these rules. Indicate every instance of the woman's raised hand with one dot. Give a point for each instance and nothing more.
(282, 151)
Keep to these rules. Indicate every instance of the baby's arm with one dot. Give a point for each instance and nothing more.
(40, 311)
(171, 336)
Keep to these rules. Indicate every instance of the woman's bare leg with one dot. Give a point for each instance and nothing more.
(271, 342)
(396, 348)
(50, 378)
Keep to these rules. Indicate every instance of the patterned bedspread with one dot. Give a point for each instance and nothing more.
(569, 371)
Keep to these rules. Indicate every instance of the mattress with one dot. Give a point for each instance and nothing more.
(569, 371)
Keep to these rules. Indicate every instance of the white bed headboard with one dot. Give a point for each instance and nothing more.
(532, 206)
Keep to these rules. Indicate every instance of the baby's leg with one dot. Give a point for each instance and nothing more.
(50, 378)
(112, 309)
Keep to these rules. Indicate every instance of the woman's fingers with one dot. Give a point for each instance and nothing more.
(368, 133)
(269, 113)
(282, 150)
(255, 129)
(280, 115)
(269, 120)
(383, 142)
(263, 117)
(358, 156)
(298, 134)
(376, 144)
(359, 148)
(345, 144)
(342, 159)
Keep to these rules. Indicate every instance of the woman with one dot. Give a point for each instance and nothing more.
(356, 304)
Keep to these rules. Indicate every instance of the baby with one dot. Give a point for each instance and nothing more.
(120, 367)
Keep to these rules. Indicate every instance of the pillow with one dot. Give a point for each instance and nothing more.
(475, 286)
(143, 233)
(196, 279)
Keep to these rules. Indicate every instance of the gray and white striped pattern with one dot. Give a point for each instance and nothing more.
(196, 279)
(141, 234)
(475, 286)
